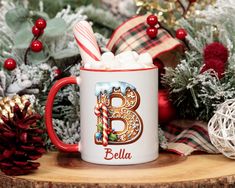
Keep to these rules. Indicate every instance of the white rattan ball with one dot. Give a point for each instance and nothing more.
(221, 128)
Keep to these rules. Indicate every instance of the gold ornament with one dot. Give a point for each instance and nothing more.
(7, 104)
(169, 11)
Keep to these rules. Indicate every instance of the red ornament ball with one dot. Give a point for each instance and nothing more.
(152, 32)
(9, 64)
(158, 63)
(166, 111)
(215, 64)
(181, 34)
(36, 46)
(161, 71)
(41, 23)
(216, 50)
(152, 20)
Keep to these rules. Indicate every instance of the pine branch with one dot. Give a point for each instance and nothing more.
(197, 94)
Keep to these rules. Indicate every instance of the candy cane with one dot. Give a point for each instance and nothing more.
(104, 114)
(87, 43)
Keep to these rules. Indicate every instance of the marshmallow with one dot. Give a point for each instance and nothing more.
(107, 59)
(107, 56)
(94, 65)
(146, 59)
(97, 65)
(87, 66)
(136, 55)
(125, 54)
(115, 64)
(133, 66)
(125, 57)
(124, 60)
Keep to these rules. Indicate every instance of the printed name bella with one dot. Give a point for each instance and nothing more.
(122, 154)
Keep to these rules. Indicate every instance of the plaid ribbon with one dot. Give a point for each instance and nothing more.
(185, 137)
(131, 35)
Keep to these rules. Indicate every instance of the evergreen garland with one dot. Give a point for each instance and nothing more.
(196, 95)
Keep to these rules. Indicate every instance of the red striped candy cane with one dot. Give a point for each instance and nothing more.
(101, 109)
(87, 43)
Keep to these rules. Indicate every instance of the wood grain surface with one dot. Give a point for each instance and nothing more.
(170, 170)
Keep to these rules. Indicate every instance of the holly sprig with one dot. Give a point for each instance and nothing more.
(36, 45)
(21, 21)
(35, 35)
(111, 133)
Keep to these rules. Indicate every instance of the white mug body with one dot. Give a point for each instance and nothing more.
(130, 97)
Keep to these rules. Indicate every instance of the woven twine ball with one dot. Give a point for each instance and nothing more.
(221, 128)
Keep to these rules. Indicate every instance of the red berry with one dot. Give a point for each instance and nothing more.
(192, 1)
(181, 34)
(36, 31)
(57, 72)
(152, 20)
(41, 23)
(10, 64)
(152, 32)
(109, 131)
(36, 46)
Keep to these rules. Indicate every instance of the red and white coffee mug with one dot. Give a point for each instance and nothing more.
(119, 120)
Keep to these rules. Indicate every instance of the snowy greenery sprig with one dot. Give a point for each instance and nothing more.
(60, 51)
(196, 94)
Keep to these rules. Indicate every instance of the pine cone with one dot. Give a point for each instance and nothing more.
(21, 139)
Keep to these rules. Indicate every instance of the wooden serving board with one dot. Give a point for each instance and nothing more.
(170, 170)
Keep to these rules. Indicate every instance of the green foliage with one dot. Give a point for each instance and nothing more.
(58, 34)
(112, 137)
(196, 95)
(66, 106)
(20, 21)
(100, 127)
(104, 21)
(66, 53)
(39, 14)
(184, 85)
(23, 37)
(60, 51)
(55, 28)
(6, 43)
(39, 57)
(53, 7)
(16, 17)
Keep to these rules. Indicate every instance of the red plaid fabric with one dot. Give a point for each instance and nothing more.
(131, 35)
(185, 137)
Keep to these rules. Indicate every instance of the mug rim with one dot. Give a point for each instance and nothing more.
(117, 70)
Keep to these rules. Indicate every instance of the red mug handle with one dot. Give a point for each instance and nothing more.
(48, 114)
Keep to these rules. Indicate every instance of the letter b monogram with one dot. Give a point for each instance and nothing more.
(126, 113)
